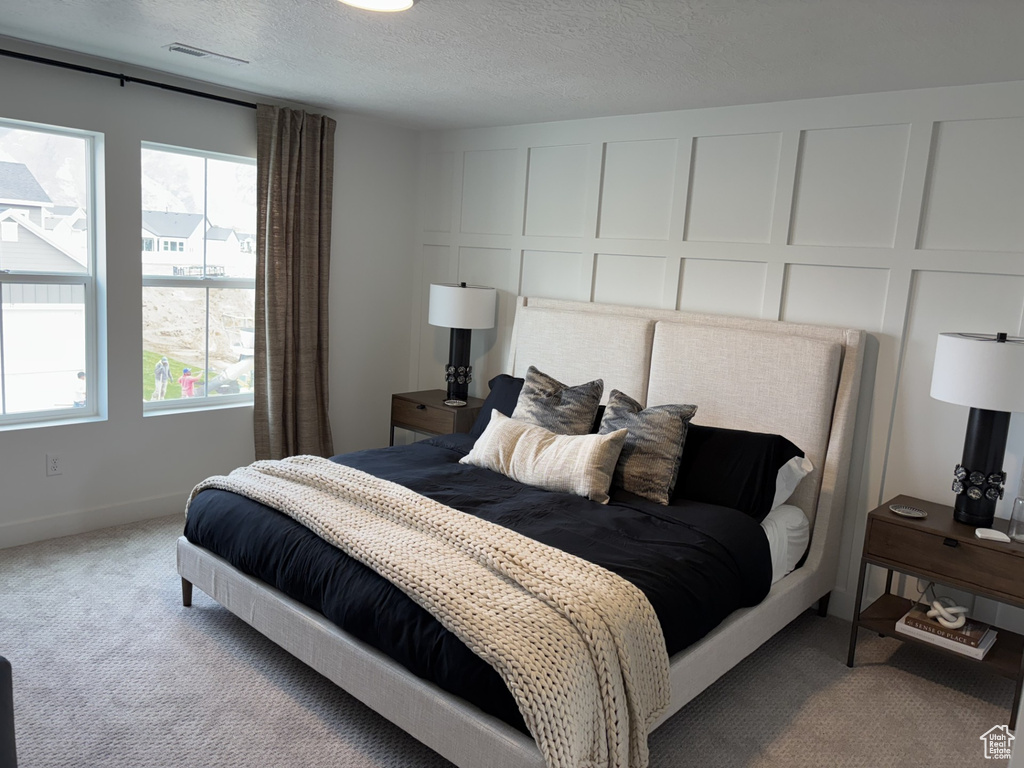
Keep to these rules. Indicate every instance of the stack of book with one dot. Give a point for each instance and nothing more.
(973, 639)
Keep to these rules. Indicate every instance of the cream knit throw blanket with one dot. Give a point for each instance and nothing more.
(579, 647)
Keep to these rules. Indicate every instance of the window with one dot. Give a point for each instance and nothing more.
(198, 295)
(148, 244)
(48, 296)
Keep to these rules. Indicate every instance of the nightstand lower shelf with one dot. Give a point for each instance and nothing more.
(1004, 658)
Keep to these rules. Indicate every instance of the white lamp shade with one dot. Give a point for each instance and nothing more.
(977, 371)
(461, 306)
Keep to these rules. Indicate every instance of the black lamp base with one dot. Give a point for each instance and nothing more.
(978, 480)
(980, 513)
(458, 373)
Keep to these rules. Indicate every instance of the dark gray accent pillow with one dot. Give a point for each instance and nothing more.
(503, 397)
(649, 463)
(561, 409)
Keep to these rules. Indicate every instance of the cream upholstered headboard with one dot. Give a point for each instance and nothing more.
(799, 381)
(762, 382)
(579, 347)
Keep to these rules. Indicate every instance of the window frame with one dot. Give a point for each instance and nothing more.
(205, 281)
(90, 280)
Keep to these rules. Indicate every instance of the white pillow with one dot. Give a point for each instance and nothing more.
(789, 533)
(789, 477)
(578, 464)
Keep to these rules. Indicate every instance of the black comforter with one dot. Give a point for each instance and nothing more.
(695, 563)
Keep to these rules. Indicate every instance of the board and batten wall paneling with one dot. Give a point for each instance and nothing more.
(725, 287)
(732, 188)
(488, 192)
(636, 192)
(556, 191)
(557, 275)
(438, 172)
(976, 196)
(634, 280)
(898, 213)
(848, 186)
(832, 295)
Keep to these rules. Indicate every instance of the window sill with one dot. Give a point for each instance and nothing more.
(57, 421)
(190, 405)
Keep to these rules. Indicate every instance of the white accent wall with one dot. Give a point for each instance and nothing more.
(899, 213)
(124, 466)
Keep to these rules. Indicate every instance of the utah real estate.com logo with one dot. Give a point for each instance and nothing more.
(997, 742)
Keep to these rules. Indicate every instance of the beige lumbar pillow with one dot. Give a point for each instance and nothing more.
(578, 464)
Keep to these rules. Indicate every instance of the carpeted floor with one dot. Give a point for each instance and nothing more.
(110, 670)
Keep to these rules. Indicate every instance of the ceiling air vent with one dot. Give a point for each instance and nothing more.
(199, 53)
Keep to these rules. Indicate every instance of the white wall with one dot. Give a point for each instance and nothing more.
(373, 240)
(899, 213)
(128, 467)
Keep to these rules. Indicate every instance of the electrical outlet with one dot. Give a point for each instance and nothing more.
(54, 464)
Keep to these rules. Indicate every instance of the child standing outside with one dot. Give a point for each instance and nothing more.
(188, 383)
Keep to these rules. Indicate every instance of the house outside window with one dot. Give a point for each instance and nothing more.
(49, 305)
(198, 295)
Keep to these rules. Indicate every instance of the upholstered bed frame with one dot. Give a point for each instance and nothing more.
(801, 381)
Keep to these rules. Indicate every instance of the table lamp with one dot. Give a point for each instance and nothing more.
(462, 308)
(986, 373)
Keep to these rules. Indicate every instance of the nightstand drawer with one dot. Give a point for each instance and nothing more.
(418, 416)
(958, 561)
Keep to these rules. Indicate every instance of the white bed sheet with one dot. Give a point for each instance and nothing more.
(789, 532)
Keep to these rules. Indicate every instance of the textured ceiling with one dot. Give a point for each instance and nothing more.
(462, 63)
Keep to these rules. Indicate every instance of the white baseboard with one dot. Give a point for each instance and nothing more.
(80, 521)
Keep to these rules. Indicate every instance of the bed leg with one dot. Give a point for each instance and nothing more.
(186, 593)
(823, 604)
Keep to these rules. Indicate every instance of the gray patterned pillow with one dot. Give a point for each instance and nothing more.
(649, 462)
(549, 403)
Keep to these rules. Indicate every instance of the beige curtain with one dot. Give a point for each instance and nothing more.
(294, 179)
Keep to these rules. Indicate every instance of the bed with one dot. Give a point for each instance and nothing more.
(799, 381)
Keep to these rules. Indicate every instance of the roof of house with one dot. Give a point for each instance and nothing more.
(219, 233)
(18, 183)
(168, 224)
(38, 251)
(63, 210)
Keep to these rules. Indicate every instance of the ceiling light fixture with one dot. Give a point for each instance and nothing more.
(387, 6)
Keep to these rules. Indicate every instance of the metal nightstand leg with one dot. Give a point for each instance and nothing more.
(1016, 696)
(856, 614)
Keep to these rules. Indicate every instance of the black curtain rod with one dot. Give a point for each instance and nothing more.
(124, 78)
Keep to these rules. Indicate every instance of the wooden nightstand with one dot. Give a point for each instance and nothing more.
(426, 412)
(942, 550)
